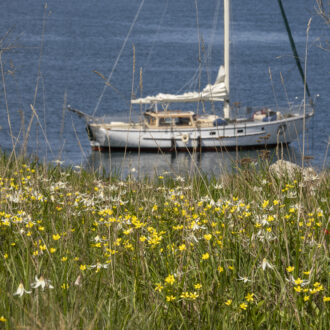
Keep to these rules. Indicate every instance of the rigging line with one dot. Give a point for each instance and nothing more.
(155, 36)
(199, 46)
(214, 28)
(146, 63)
(195, 79)
(118, 57)
(204, 61)
(293, 47)
(208, 60)
(191, 83)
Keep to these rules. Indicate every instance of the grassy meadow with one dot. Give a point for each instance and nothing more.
(245, 251)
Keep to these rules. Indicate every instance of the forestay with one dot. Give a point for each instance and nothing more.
(215, 92)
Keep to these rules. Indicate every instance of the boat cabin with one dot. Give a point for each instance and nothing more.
(165, 119)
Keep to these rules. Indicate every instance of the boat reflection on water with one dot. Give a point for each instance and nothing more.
(182, 164)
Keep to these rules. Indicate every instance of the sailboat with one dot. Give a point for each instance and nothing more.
(176, 130)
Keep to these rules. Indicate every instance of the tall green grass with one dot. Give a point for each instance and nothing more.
(247, 250)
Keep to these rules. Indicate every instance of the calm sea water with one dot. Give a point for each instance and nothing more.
(50, 52)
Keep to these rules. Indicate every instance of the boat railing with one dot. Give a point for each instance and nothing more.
(290, 109)
(299, 109)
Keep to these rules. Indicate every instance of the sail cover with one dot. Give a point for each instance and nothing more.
(215, 92)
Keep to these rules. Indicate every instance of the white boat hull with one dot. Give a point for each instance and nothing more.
(248, 134)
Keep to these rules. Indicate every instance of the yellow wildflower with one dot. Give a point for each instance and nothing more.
(265, 204)
(170, 279)
(297, 288)
(170, 298)
(243, 306)
(193, 295)
(205, 256)
(220, 269)
(270, 218)
(249, 297)
(208, 237)
(159, 287)
(290, 269)
(184, 295)
(182, 247)
(56, 237)
(65, 286)
(228, 302)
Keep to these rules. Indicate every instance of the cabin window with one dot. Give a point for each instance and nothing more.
(240, 131)
(212, 133)
(262, 128)
(150, 121)
(182, 121)
(165, 121)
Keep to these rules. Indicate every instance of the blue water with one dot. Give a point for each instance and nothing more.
(49, 55)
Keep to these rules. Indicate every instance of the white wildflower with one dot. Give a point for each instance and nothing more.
(265, 264)
(244, 279)
(196, 226)
(98, 239)
(58, 162)
(78, 281)
(98, 266)
(41, 282)
(21, 290)
(179, 179)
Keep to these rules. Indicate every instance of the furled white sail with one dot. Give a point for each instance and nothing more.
(215, 92)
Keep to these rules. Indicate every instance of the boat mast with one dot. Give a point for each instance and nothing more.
(226, 106)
